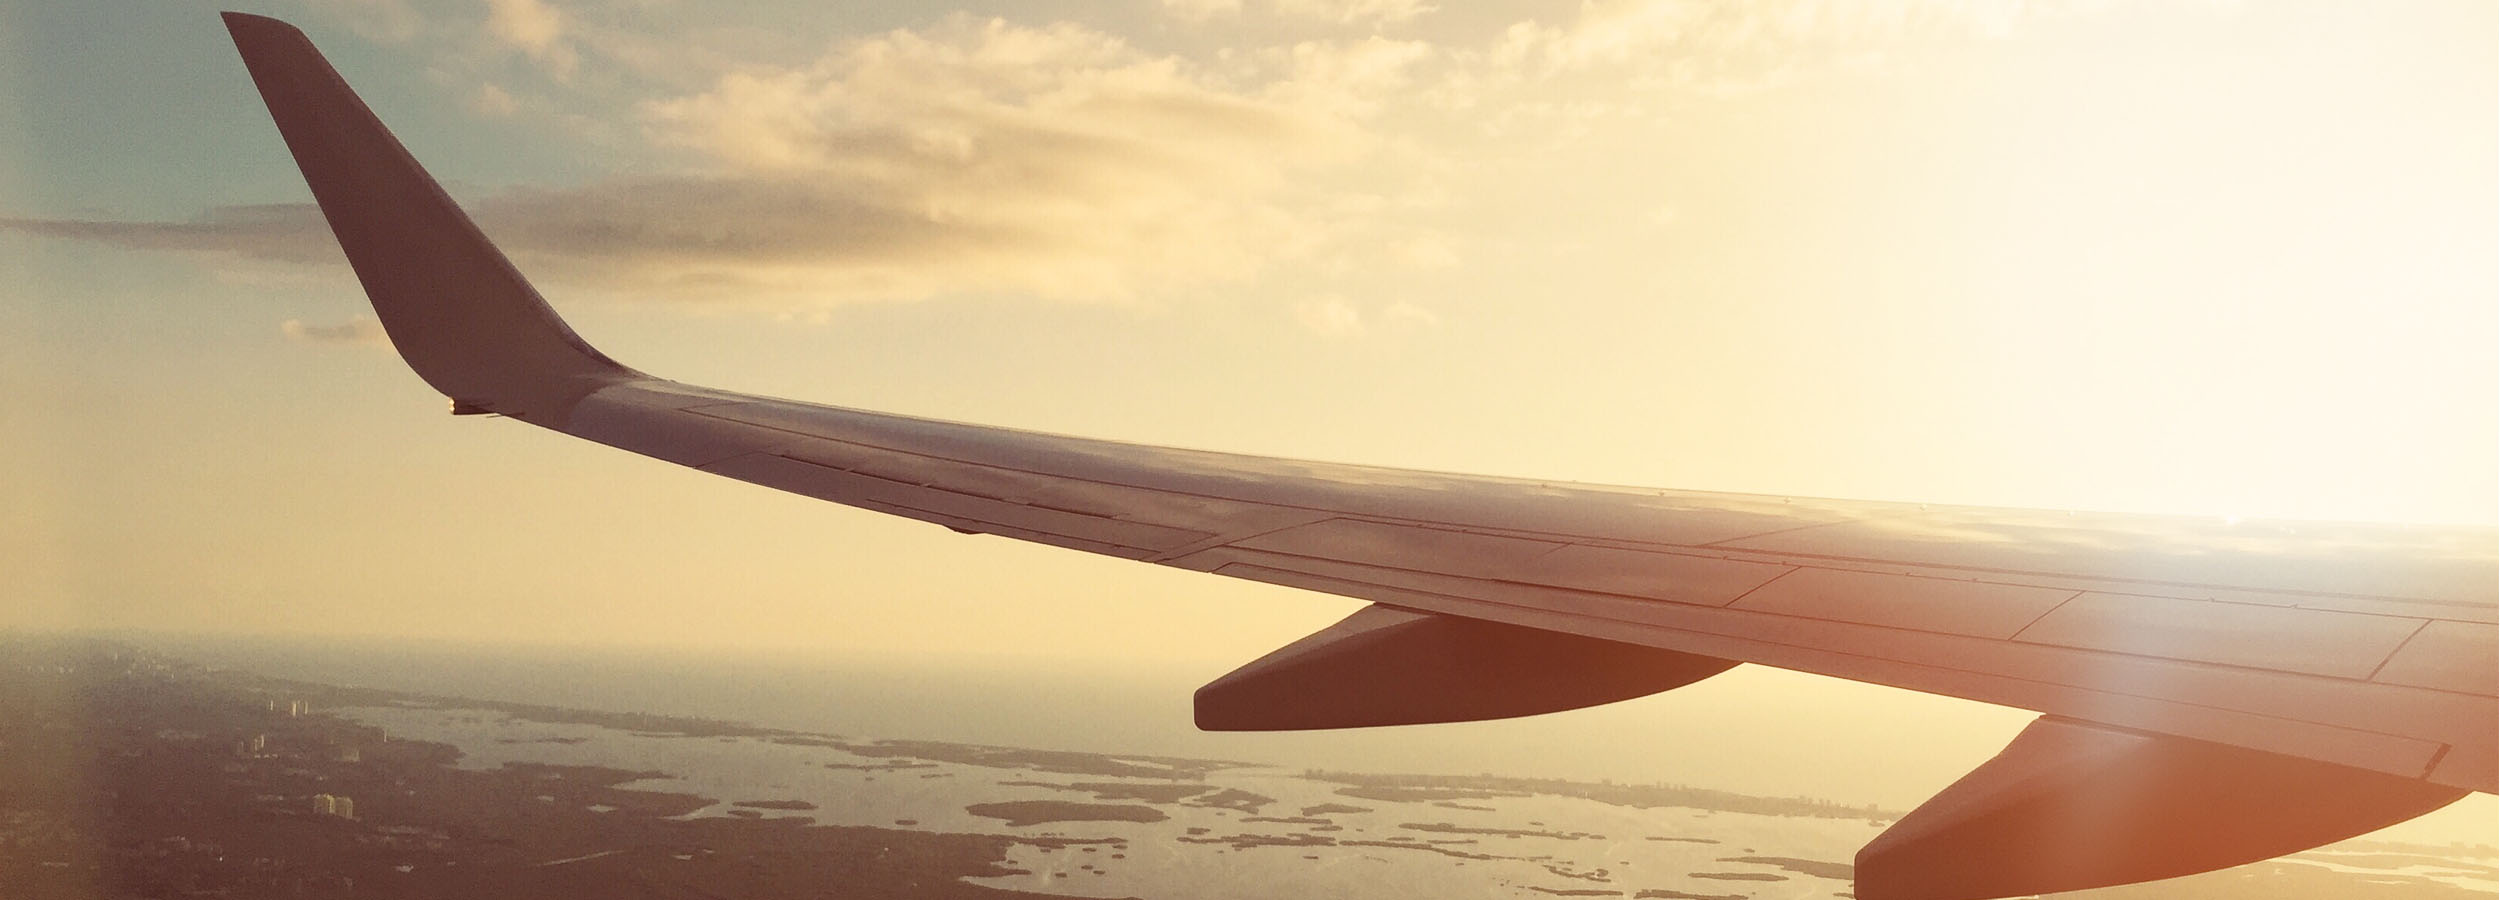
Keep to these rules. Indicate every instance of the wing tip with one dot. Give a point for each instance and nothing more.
(248, 26)
(462, 317)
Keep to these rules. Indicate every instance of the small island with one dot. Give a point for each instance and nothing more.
(1023, 813)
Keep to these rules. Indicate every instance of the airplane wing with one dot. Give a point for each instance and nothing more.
(2214, 692)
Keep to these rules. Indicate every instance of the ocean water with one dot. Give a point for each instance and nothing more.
(1099, 709)
(1803, 740)
(1752, 730)
(1281, 835)
(1276, 832)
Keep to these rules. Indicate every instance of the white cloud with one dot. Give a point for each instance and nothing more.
(1719, 45)
(528, 24)
(1358, 13)
(1409, 315)
(535, 28)
(1354, 12)
(982, 156)
(1424, 252)
(1334, 317)
(358, 330)
(493, 102)
(973, 156)
(1329, 316)
(277, 232)
(386, 21)
(1348, 78)
(1198, 10)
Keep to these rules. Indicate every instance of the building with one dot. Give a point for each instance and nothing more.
(334, 805)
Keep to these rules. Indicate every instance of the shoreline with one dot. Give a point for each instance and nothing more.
(166, 778)
(182, 781)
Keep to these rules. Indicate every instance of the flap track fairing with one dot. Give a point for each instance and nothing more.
(1390, 666)
(2070, 805)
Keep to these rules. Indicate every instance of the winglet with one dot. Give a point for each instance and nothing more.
(458, 311)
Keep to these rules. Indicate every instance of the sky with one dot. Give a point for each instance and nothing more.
(2218, 258)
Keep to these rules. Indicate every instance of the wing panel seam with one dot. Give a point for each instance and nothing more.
(2399, 650)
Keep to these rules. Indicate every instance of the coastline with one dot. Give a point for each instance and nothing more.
(160, 778)
(184, 781)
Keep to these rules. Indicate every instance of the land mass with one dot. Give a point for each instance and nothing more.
(126, 774)
(131, 775)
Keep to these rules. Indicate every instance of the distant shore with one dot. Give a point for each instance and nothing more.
(135, 774)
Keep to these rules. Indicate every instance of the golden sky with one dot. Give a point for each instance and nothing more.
(2230, 258)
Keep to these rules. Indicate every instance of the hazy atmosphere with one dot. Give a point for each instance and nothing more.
(2231, 259)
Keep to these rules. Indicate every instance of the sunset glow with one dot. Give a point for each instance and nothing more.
(2234, 260)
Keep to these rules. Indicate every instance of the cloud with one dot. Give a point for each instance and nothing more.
(1195, 10)
(1354, 12)
(1350, 78)
(979, 156)
(1691, 43)
(534, 28)
(1367, 13)
(1424, 252)
(1329, 316)
(1334, 317)
(358, 330)
(278, 232)
(975, 156)
(1408, 315)
(385, 21)
(982, 155)
(493, 102)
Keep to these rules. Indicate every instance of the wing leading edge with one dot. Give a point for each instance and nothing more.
(2362, 649)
